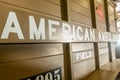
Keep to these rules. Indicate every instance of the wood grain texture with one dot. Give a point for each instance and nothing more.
(54, 1)
(101, 2)
(23, 60)
(82, 46)
(111, 12)
(80, 12)
(28, 51)
(100, 15)
(84, 68)
(80, 9)
(102, 45)
(84, 3)
(48, 7)
(79, 18)
(113, 51)
(100, 18)
(101, 24)
(103, 53)
(68, 61)
(101, 29)
(77, 59)
(104, 59)
(22, 69)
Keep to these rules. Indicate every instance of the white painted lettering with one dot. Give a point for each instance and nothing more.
(79, 31)
(37, 32)
(66, 31)
(73, 32)
(52, 31)
(12, 26)
(66, 28)
(92, 34)
(100, 36)
(87, 37)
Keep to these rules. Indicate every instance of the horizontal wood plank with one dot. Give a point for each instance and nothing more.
(77, 17)
(104, 59)
(111, 18)
(41, 6)
(83, 68)
(100, 15)
(54, 1)
(82, 46)
(103, 51)
(28, 51)
(102, 45)
(113, 51)
(84, 3)
(80, 9)
(82, 56)
(80, 12)
(23, 69)
(101, 25)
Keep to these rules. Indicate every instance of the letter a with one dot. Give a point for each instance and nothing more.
(12, 19)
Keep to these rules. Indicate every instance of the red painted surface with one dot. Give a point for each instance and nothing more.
(100, 12)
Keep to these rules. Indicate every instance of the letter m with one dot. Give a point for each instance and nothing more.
(37, 32)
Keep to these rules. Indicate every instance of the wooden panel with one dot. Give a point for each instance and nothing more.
(83, 59)
(103, 51)
(111, 17)
(112, 28)
(113, 51)
(76, 17)
(82, 46)
(28, 51)
(84, 68)
(81, 56)
(101, 29)
(104, 59)
(63, 78)
(101, 25)
(100, 3)
(42, 6)
(54, 1)
(22, 69)
(80, 11)
(98, 19)
(84, 3)
(100, 15)
(102, 45)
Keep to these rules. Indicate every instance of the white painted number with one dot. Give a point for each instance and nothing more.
(56, 75)
(40, 77)
(49, 76)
